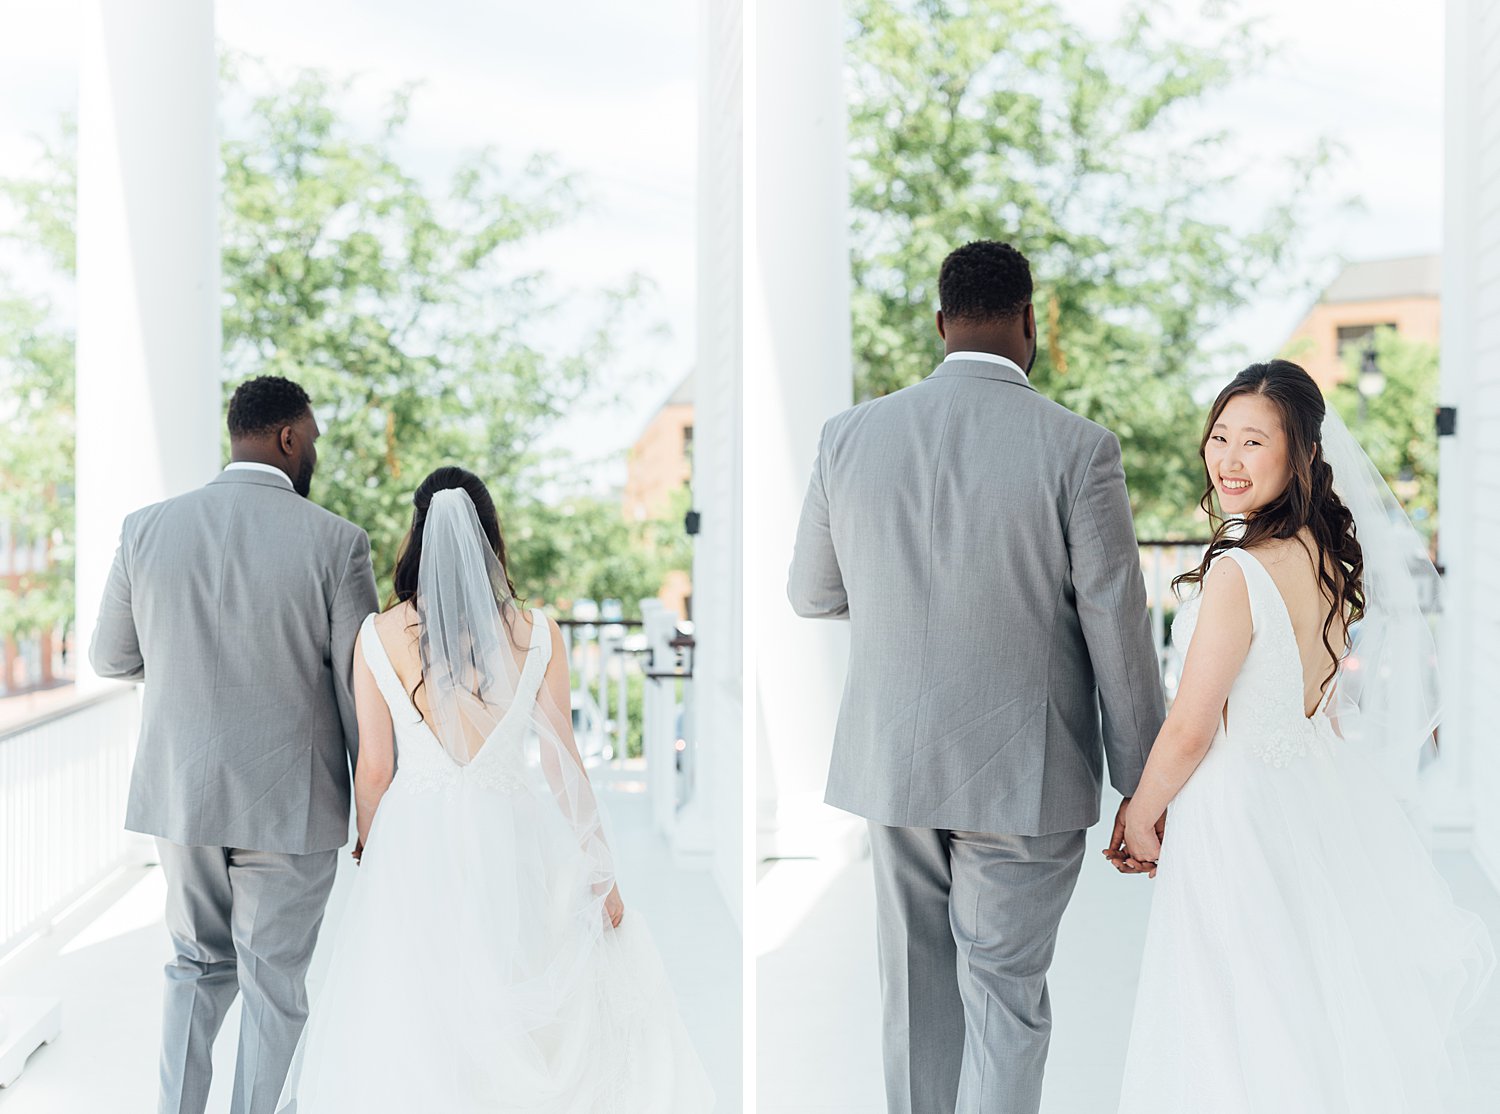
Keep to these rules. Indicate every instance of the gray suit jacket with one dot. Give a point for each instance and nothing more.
(238, 604)
(978, 538)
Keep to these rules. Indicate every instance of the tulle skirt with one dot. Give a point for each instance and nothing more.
(472, 972)
(1303, 954)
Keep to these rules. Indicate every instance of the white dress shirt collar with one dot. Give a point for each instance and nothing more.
(256, 466)
(986, 357)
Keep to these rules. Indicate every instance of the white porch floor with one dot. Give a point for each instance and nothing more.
(818, 992)
(108, 973)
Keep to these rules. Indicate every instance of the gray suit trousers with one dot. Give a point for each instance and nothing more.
(967, 924)
(241, 921)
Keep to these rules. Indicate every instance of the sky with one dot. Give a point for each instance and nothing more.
(609, 90)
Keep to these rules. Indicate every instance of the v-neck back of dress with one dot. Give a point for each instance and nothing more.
(422, 760)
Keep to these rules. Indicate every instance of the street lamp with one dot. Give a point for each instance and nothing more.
(1371, 380)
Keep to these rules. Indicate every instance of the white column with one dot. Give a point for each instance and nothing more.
(797, 349)
(710, 824)
(148, 271)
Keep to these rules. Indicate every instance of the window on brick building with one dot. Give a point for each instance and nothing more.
(1358, 335)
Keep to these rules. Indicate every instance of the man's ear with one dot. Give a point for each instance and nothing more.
(942, 334)
(1028, 321)
(287, 440)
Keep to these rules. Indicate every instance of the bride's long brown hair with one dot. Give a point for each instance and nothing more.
(1309, 500)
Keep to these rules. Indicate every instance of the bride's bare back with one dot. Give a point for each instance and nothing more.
(1291, 565)
(399, 631)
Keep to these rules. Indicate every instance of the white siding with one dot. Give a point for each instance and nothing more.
(1470, 788)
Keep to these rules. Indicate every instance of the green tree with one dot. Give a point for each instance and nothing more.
(36, 401)
(1001, 119)
(590, 551)
(36, 463)
(1397, 426)
(403, 311)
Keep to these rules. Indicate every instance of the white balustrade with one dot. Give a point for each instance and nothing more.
(605, 654)
(659, 713)
(63, 784)
(1161, 562)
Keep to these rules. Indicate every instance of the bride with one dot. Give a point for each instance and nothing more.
(1303, 954)
(484, 962)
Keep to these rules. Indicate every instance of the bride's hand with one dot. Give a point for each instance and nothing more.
(614, 908)
(1143, 842)
(1118, 855)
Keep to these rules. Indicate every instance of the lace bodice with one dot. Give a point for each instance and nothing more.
(1265, 706)
(422, 763)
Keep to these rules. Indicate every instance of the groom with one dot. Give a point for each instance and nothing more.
(978, 539)
(238, 604)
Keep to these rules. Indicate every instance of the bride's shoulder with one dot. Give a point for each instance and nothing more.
(523, 621)
(1221, 609)
(551, 627)
(1225, 586)
(549, 624)
(390, 622)
(1225, 572)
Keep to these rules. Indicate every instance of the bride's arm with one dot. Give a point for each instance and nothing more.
(377, 748)
(556, 702)
(571, 787)
(1219, 645)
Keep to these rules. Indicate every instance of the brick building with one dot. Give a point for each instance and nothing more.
(661, 463)
(1400, 293)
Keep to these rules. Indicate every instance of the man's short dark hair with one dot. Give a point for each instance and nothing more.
(262, 406)
(984, 281)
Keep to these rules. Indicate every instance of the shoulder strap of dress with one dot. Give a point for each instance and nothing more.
(385, 673)
(1255, 581)
(541, 641)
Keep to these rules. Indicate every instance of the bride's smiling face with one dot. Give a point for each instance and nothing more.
(1246, 454)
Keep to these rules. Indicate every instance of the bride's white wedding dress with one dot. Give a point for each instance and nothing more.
(1303, 954)
(461, 978)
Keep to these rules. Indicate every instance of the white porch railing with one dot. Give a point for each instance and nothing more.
(667, 662)
(600, 644)
(1160, 562)
(633, 679)
(63, 783)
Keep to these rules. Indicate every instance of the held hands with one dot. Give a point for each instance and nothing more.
(1143, 842)
(614, 908)
(1135, 845)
